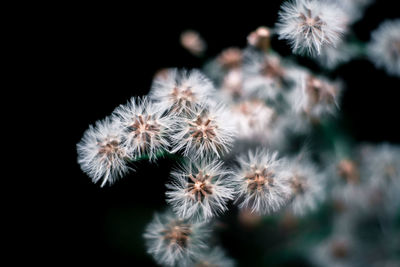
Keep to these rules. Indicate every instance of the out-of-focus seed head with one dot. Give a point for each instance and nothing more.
(171, 240)
(260, 38)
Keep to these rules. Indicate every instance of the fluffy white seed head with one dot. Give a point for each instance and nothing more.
(181, 91)
(171, 240)
(102, 153)
(207, 132)
(264, 75)
(145, 127)
(262, 185)
(310, 25)
(199, 191)
(253, 119)
(384, 47)
(306, 186)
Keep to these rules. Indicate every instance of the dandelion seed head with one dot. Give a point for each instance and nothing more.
(309, 25)
(207, 132)
(181, 91)
(171, 240)
(314, 97)
(253, 119)
(200, 191)
(262, 187)
(146, 128)
(102, 153)
(384, 47)
(193, 42)
(306, 185)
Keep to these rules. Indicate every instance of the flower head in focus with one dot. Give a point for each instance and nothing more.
(199, 191)
(171, 240)
(206, 133)
(179, 92)
(102, 153)
(310, 25)
(145, 127)
(262, 185)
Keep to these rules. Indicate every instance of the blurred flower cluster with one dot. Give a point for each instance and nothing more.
(246, 130)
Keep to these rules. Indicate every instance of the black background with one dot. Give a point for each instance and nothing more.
(97, 57)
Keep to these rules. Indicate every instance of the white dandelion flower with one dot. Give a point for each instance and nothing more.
(213, 258)
(384, 47)
(208, 131)
(262, 185)
(146, 128)
(181, 91)
(200, 191)
(306, 185)
(171, 240)
(310, 25)
(101, 152)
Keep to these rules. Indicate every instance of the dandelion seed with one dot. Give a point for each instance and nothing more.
(384, 47)
(171, 240)
(262, 187)
(310, 25)
(101, 152)
(145, 127)
(207, 132)
(181, 91)
(199, 191)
